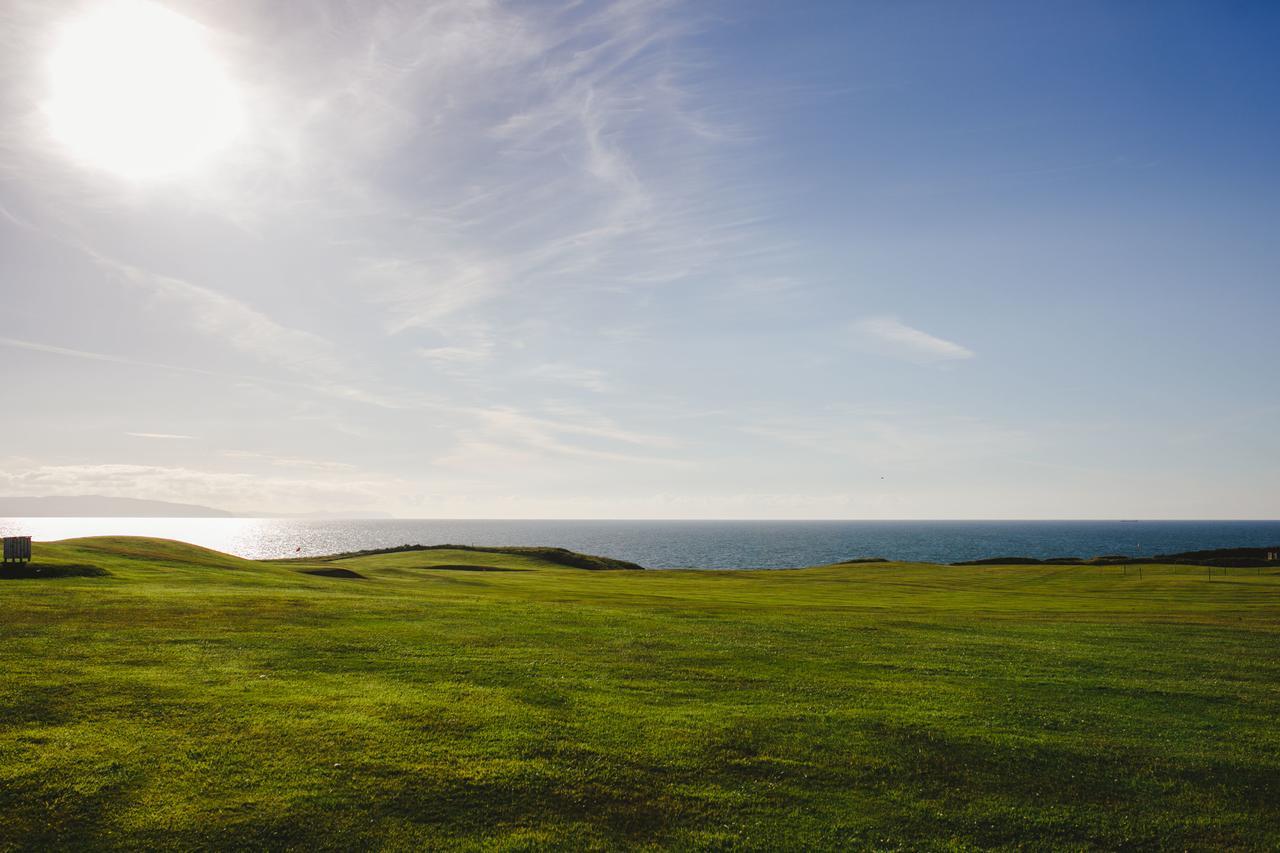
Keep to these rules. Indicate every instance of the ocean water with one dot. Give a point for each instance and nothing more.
(676, 544)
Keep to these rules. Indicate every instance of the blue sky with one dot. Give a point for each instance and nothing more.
(646, 258)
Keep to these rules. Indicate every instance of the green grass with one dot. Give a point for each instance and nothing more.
(189, 699)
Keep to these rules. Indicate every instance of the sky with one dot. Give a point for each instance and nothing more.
(644, 258)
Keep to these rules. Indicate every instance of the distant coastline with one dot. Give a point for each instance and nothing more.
(103, 506)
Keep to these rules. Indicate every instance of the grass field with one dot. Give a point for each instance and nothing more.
(189, 699)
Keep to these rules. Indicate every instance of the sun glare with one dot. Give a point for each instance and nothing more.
(135, 90)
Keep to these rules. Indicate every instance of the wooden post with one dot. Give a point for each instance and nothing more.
(17, 549)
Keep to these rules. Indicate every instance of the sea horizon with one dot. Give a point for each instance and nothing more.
(687, 543)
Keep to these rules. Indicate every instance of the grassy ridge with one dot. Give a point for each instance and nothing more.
(558, 556)
(191, 698)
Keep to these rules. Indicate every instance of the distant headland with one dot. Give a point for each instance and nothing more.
(102, 506)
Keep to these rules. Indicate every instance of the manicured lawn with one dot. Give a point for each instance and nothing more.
(190, 699)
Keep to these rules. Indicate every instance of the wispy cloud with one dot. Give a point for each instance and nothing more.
(230, 490)
(586, 378)
(238, 325)
(455, 356)
(895, 338)
(428, 292)
(560, 152)
(290, 461)
(161, 436)
(508, 433)
(892, 440)
(36, 346)
(341, 392)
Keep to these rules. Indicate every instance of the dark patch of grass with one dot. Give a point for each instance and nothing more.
(1227, 558)
(32, 571)
(1250, 556)
(462, 568)
(61, 813)
(333, 573)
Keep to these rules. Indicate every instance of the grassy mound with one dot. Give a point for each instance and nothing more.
(557, 556)
(148, 550)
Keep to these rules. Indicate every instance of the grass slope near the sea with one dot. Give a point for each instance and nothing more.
(192, 699)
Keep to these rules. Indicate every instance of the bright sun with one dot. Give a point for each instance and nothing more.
(136, 91)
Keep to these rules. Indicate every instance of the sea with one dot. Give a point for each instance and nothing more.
(684, 544)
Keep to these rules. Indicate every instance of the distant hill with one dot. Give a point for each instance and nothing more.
(100, 506)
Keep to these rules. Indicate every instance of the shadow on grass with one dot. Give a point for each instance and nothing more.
(42, 813)
(28, 571)
(462, 568)
(334, 573)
